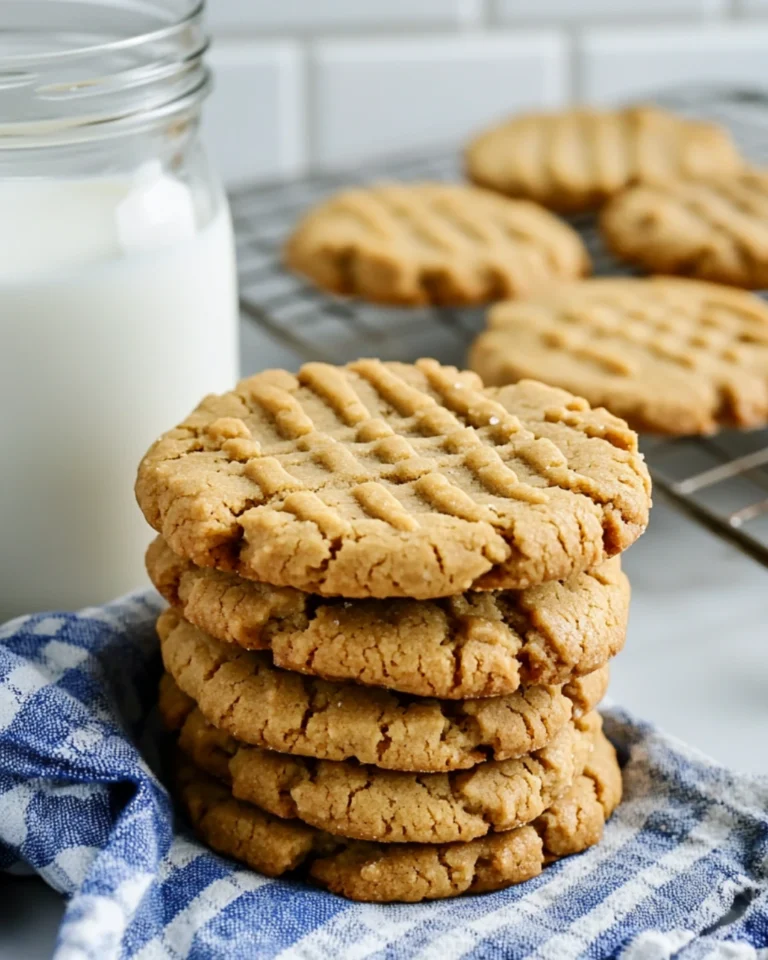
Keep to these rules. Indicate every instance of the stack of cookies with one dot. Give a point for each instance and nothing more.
(393, 598)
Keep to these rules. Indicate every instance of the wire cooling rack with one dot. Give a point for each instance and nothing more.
(721, 482)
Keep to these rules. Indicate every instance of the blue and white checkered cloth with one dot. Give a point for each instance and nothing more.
(682, 871)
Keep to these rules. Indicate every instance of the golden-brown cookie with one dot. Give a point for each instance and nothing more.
(576, 159)
(670, 356)
(386, 479)
(367, 803)
(441, 243)
(714, 230)
(408, 872)
(242, 693)
(474, 645)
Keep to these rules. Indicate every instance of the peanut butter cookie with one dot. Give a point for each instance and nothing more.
(439, 243)
(474, 645)
(367, 803)
(714, 230)
(576, 159)
(243, 694)
(407, 872)
(387, 479)
(670, 356)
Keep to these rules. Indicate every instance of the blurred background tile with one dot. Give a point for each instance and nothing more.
(254, 123)
(380, 96)
(307, 84)
(308, 15)
(617, 64)
(513, 11)
(752, 6)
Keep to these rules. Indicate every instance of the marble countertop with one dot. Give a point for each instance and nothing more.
(695, 664)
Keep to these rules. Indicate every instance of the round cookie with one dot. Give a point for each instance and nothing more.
(388, 479)
(576, 159)
(670, 356)
(474, 645)
(366, 803)
(714, 230)
(441, 243)
(243, 694)
(407, 872)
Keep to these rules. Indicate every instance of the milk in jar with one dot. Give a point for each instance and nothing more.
(113, 330)
(118, 307)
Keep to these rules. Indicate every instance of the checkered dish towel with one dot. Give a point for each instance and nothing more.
(79, 805)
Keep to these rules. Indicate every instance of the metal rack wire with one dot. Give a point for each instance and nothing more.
(721, 482)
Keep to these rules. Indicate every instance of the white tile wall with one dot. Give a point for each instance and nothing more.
(308, 83)
(376, 96)
(618, 65)
(513, 11)
(254, 122)
(308, 15)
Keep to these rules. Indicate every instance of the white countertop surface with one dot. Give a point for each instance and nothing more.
(695, 664)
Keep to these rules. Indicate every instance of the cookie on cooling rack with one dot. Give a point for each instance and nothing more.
(432, 243)
(576, 159)
(713, 230)
(671, 356)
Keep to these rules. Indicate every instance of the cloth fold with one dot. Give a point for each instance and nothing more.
(682, 870)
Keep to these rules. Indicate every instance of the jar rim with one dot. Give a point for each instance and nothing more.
(195, 9)
(89, 69)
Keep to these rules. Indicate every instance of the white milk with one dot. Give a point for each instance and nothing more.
(116, 316)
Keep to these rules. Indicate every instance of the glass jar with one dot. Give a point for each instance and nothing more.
(118, 303)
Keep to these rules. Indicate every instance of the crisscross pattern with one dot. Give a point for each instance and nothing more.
(671, 356)
(432, 243)
(714, 230)
(395, 480)
(577, 159)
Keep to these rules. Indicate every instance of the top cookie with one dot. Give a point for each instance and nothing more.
(432, 243)
(714, 231)
(676, 357)
(577, 159)
(395, 480)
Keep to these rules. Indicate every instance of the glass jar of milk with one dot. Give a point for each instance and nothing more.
(118, 305)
